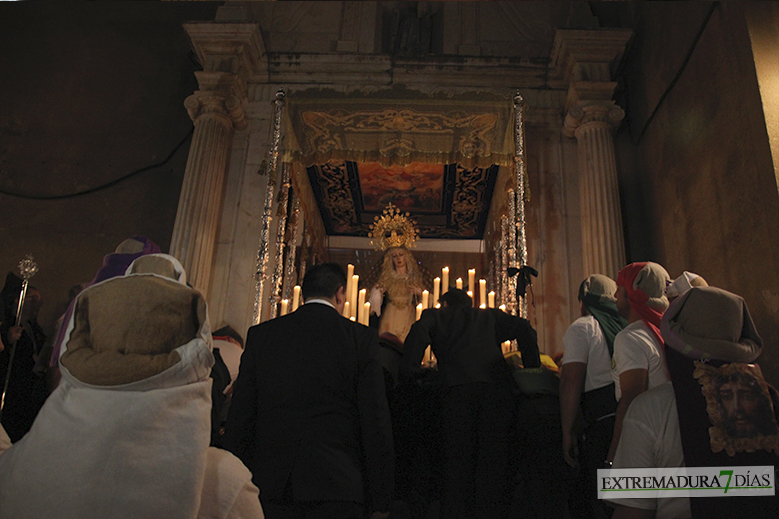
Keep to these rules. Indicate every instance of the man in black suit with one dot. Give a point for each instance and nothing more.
(478, 405)
(309, 415)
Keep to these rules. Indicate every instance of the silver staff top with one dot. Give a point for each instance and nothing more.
(28, 267)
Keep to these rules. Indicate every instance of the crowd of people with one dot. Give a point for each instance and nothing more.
(656, 373)
(136, 408)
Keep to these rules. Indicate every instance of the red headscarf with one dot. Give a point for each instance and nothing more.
(638, 298)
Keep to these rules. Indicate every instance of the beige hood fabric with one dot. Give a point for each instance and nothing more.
(130, 329)
(126, 433)
(600, 287)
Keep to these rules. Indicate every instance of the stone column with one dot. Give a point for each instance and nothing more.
(586, 61)
(603, 241)
(215, 111)
(231, 54)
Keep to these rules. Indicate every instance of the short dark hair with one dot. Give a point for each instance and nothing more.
(456, 297)
(323, 280)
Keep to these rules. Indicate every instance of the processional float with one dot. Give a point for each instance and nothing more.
(514, 277)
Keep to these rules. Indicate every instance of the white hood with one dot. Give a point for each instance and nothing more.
(136, 450)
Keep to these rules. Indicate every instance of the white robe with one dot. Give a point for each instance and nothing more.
(138, 450)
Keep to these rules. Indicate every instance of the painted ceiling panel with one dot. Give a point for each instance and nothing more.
(447, 201)
(416, 187)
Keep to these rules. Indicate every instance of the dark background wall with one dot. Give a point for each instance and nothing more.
(698, 181)
(92, 91)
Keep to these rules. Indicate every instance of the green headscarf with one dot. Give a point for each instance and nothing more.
(597, 294)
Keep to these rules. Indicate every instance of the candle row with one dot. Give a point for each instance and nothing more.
(365, 313)
(442, 283)
(421, 306)
(285, 309)
(356, 297)
(356, 307)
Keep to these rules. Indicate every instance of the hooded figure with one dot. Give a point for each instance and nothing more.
(638, 362)
(114, 264)
(585, 377)
(644, 286)
(126, 433)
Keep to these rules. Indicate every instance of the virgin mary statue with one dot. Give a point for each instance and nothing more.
(398, 288)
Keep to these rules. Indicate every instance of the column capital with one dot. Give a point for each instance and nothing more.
(230, 47)
(231, 54)
(603, 114)
(589, 103)
(585, 62)
(221, 93)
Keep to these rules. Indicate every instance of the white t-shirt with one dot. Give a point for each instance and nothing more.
(651, 439)
(584, 342)
(636, 347)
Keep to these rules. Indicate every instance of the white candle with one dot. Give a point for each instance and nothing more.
(491, 299)
(502, 307)
(472, 280)
(436, 290)
(361, 300)
(444, 280)
(284, 306)
(353, 298)
(506, 347)
(483, 292)
(419, 311)
(348, 289)
(470, 294)
(459, 283)
(425, 299)
(295, 297)
(347, 310)
(366, 313)
(482, 306)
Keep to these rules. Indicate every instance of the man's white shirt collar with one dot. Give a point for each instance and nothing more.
(321, 302)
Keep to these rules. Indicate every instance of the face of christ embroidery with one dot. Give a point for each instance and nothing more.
(739, 408)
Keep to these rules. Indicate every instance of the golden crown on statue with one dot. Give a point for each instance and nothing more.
(392, 229)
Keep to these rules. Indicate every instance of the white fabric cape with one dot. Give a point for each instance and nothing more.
(137, 451)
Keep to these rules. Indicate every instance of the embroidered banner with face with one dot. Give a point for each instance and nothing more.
(739, 407)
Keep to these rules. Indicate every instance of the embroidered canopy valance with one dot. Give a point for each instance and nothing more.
(466, 129)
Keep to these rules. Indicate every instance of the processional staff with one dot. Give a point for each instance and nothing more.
(28, 268)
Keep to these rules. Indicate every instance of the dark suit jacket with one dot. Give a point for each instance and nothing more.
(466, 342)
(309, 410)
